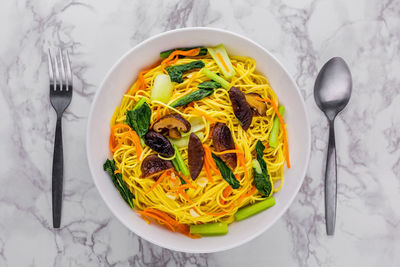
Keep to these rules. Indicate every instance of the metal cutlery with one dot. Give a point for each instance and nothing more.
(332, 91)
(60, 97)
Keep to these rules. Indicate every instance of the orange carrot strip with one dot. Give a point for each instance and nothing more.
(208, 171)
(158, 219)
(285, 138)
(178, 227)
(138, 146)
(227, 191)
(158, 181)
(173, 57)
(114, 145)
(220, 58)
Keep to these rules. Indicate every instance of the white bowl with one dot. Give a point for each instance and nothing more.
(121, 76)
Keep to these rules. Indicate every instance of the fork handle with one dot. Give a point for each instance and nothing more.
(330, 182)
(57, 180)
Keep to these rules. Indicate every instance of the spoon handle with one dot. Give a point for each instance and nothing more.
(330, 182)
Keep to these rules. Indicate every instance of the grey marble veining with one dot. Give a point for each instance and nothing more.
(301, 34)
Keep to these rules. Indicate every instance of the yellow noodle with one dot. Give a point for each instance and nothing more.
(207, 203)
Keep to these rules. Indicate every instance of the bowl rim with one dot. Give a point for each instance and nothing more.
(307, 148)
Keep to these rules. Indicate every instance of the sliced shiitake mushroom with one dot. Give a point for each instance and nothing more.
(258, 106)
(174, 133)
(153, 165)
(159, 143)
(195, 155)
(240, 107)
(222, 140)
(172, 121)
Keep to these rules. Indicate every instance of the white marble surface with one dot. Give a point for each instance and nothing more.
(301, 34)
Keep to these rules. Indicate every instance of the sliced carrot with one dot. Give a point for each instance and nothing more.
(208, 171)
(285, 138)
(158, 219)
(177, 227)
(138, 146)
(227, 191)
(114, 145)
(209, 159)
(173, 57)
(158, 181)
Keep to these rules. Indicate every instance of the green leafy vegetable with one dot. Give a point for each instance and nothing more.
(221, 57)
(176, 72)
(209, 229)
(126, 194)
(193, 96)
(274, 134)
(138, 118)
(213, 76)
(261, 176)
(166, 53)
(251, 210)
(209, 85)
(205, 89)
(226, 172)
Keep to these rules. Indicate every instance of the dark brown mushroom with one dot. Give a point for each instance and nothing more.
(172, 121)
(174, 133)
(159, 143)
(153, 165)
(222, 140)
(258, 106)
(240, 107)
(195, 155)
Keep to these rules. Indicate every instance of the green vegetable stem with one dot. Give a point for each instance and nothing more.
(213, 76)
(251, 210)
(179, 163)
(209, 229)
(274, 134)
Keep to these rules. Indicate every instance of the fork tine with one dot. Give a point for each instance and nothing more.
(62, 70)
(57, 77)
(50, 60)
(68, 71)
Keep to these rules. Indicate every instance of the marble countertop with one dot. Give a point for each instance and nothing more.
(303, 35)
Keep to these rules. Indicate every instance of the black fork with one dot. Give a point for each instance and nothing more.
(60, 96)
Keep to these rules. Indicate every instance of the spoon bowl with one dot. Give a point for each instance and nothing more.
(333, 87)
